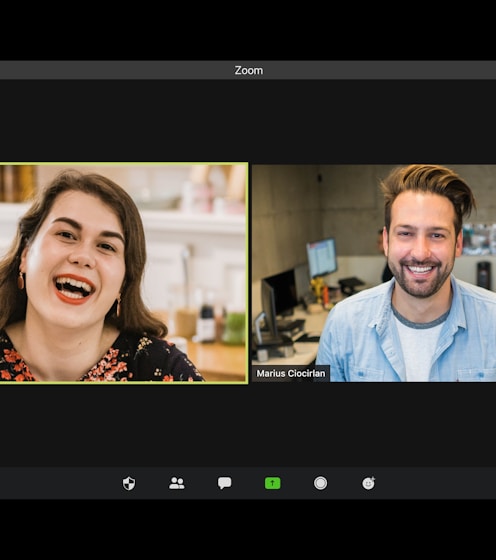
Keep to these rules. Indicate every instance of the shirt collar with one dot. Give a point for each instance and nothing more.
(384, 311)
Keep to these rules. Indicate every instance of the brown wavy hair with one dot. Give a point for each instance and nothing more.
(134, 316)
(434, 179)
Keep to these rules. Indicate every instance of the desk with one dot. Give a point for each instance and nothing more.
(219, 362)
(314, 322)
(304, 352)
(215, 361)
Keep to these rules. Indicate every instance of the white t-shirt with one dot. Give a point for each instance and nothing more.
(418, 343)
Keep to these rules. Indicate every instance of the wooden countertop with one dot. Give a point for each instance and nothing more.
(217, 362)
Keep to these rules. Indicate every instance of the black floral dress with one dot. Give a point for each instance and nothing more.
(130, 358)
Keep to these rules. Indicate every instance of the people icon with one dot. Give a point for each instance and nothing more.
(176, 483)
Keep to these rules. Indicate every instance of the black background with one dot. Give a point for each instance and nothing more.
(269, 122)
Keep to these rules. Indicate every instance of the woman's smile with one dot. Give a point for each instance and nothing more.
(73, 289)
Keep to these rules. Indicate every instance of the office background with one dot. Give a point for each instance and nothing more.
(294, 204)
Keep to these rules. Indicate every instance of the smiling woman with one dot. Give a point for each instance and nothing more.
(70, 291)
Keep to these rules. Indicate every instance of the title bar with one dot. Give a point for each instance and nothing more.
(247, 70)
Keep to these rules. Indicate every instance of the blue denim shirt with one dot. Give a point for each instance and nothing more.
(360, 340)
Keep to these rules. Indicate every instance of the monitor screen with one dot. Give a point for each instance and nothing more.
(269, 308)
(285, 293)
(322, 257)
(302, 280)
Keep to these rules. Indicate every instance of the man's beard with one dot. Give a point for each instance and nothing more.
(417, 287)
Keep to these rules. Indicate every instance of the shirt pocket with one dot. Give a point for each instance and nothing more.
(476, 374)
(358, 373)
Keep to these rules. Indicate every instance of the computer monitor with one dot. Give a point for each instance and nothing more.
(269, 309)
(322, 258)
(302, 281)
(285, 292)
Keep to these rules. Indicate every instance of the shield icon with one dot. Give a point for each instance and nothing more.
(128, 483)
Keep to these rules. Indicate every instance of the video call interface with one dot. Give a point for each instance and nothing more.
(286, 239)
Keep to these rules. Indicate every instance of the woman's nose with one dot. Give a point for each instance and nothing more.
(82, 256)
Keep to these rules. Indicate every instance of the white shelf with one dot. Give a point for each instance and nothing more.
(158, 220)
(177, 221)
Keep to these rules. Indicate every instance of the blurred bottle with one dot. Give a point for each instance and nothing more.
(205, 324)
(234, 326)
(484, 274)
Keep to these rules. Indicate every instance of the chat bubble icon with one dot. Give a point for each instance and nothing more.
(224, 482)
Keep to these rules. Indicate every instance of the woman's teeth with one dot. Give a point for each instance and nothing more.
(72, 288)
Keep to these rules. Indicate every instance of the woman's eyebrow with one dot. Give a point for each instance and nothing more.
(79, 227)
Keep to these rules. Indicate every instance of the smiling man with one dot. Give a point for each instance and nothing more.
(424, 324)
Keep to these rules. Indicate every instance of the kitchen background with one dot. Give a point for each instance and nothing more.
(194, 217)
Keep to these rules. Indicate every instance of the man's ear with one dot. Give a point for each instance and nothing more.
(459, 244)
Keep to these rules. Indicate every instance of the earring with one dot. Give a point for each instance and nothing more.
(118, 312)
(20, 281)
